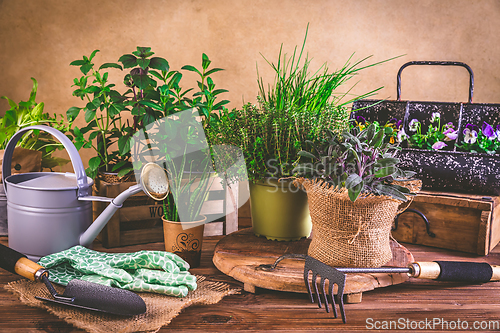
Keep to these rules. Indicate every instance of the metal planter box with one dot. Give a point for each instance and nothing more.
(446, 170)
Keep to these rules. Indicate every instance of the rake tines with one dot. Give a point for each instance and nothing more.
(333, 276)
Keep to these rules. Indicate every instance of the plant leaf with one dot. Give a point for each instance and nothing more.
(384, 172)
(72, 113)
(159, 64)
(128, 60)
(110, 65)
(124, 145)
(94, 163)
(306, 154)
(191, 68)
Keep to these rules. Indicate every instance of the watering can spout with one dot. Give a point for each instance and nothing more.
(153, 181)
(100, 222)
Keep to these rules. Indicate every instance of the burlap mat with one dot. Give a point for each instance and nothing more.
(161, 309)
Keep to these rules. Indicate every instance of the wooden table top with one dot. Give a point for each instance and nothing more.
(408, 304)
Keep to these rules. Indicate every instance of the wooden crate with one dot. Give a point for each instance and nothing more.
(139, 220)
(462, 222)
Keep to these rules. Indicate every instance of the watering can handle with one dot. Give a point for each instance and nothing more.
(438, 63)
(81, 176)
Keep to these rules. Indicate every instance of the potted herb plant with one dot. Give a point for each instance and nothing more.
(31, 113)
(152, 91)
(354, 189)
(34, 151)
(178, 143)
(298, 107)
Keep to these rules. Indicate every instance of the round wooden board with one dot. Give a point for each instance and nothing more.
(238, 255)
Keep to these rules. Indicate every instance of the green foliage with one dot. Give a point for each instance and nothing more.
(436, 135)
(153, 92)
(31, 113)
(271, 138)
(296, 87)
(299, 106)
(361, 161)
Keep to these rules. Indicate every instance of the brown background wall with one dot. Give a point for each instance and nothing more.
(40, 38)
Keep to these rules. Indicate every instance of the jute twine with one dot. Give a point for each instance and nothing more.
(161, 309)
(346, 233)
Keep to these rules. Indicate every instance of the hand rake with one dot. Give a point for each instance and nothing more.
(437, 270)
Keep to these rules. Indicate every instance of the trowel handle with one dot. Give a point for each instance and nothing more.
(474, 272)
(18, 263)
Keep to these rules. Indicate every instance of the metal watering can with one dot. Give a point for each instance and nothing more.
(50, 212)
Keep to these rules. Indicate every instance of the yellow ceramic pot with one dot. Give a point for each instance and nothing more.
(279, 210)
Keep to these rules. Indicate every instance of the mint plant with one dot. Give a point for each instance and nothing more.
(153, 92)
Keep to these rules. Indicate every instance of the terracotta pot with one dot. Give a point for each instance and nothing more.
(185, 239)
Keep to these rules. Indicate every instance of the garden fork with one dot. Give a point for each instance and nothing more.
(333, 276)
(469, 272)
(316, 267)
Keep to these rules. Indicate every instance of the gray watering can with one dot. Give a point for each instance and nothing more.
(50, 212)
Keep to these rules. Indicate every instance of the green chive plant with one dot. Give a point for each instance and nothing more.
(299, 106)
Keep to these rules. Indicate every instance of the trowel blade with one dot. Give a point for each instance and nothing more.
(97, 297)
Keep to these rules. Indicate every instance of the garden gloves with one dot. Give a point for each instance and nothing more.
(144, 271)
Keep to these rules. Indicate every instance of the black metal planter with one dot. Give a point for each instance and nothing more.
(448, 169)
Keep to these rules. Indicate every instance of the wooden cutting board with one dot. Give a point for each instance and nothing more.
(238, 255)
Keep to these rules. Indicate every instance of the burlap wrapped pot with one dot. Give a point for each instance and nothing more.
(346, 233)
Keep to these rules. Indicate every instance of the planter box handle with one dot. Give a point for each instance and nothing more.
(439, 63)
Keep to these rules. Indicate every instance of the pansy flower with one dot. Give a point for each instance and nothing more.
(413, 126)
(488, 131)
(361, 119)
(439, 145)
(435, 117)
(402, 136)
(450, 134)
(498, 132)
(470, 135)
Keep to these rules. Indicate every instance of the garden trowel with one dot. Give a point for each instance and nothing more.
(78, 293)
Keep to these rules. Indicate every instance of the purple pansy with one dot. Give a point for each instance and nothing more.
(470, 135)
(413, 126)
(435, 117)
(439, 145)
(402, 136)
(450, 134)
(488, 131)
(360, 119)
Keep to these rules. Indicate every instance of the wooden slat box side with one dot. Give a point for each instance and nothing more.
(139, 220)
(462, 222)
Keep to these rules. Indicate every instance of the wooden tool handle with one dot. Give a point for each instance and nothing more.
(456, 271)
(18, 263)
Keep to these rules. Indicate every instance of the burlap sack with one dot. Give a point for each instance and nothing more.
(346, 233)
(161, 309)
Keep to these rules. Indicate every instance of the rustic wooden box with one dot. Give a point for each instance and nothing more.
(462, 222)
(139, 220)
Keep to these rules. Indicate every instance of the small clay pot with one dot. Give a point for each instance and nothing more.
(185, 239)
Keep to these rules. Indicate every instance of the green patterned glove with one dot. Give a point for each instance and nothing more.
(151, 271)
